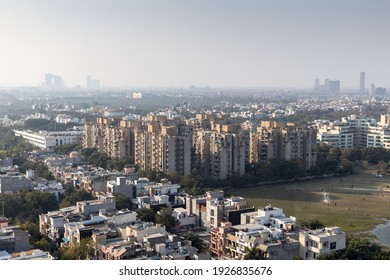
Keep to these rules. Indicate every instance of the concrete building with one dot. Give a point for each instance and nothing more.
(138, 232)
(163, 148)
(46, 140)
(218, 239)
(219, 152)
(10, 184)
(313, 243)
(112, 136)
(3, 222)
(286, 141)
(104, 201)
(247, 236)
(35, 254)
(355, 131)
(184, 220)
(14, 239)
(271, 216)
(122, 186)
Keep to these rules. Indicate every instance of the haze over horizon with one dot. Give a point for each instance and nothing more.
(175, 43)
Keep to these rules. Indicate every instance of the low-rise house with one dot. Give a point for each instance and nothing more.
(35, 254)
(181, 250)
(14, 239)
(271, 216)
(56, 188)
(248, 236)
(104, 201)
(10, 184)
(313, 243)
(122, 186)
(121, 251)
(184, 220)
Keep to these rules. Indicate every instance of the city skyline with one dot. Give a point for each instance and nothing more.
(202, 43)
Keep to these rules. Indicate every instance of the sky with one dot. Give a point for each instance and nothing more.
(178, 43)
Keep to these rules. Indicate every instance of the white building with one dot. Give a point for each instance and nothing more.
(271, 216)
(313, 243)
(45, 139)
(355, 131)
(183, 218)
(122, 186)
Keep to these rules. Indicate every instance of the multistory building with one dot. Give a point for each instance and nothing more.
(355, 131)
(285, 141)
(51, 139)
(218, 152)
(163, 148)
(313, 243)
(112, 136)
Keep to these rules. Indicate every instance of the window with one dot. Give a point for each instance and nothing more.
(211, 212)
(333, 245)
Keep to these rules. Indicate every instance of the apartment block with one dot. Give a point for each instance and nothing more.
(355, 131)
(219, 152)
(112, 136)
(286, 141)
(163, 148)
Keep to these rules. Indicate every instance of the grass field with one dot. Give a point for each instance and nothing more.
(357, 203)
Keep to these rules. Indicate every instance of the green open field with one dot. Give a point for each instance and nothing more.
(357, 203)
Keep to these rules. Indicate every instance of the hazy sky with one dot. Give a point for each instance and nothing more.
(220, 43)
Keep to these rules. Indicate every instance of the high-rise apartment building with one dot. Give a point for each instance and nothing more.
(219, 152)
(279, 140)
(114, 137)
(163, 148)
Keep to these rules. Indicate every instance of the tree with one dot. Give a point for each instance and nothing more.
(195, 239)
(312, 224)
(165, 218)
(254, 254)
(146, 215)
(42, 244)
(122, 201)
(78, 251)
(357, 248)
(72, 198)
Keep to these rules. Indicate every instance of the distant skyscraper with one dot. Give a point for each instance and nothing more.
(334, 87)
(93, 84)
(372, 90)
(362, 82)
(53, 81)
(316, 84)
(380, 91)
